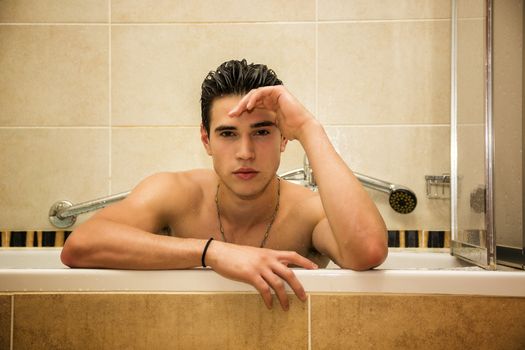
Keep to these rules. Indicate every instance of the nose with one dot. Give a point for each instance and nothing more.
(245, 150)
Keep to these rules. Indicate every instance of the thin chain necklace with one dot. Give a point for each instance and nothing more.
(268, 228)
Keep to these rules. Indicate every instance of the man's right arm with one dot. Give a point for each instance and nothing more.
(121, 235)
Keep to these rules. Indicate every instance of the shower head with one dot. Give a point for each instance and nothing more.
(402, 200)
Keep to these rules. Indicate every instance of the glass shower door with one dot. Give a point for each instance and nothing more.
(471, 133)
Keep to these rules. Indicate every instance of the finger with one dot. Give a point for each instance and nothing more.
(255, 96)
(241, 107)
(277, 285)
(290, 278)
(250, 101)
(298, 260)
(264, 97)
(264, 289)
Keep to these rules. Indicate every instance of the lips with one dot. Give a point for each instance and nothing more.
(245, 173)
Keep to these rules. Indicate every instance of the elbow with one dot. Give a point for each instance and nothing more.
(72, 252)
(373, 254)
(68, 257)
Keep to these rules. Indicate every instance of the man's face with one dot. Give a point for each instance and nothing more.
(246, 150)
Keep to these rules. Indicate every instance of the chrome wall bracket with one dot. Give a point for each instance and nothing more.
(56, 219)
(438, 186)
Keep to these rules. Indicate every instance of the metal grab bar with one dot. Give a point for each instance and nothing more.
(64, 214)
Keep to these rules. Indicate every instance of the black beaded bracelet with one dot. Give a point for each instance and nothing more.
(203, 258)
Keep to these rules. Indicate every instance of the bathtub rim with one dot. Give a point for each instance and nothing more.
(456, 282)
(198, 280)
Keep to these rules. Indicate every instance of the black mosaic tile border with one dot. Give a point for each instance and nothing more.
(33, 239)
(418, 239)
(396, 239)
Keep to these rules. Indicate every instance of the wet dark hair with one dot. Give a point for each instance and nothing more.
(233, 78)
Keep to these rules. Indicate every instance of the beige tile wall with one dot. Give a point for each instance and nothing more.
(241, 321)
(96, 95)
(416, 322)
(156, 321)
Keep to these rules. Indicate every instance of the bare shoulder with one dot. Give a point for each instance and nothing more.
(171, 188)
(160, 196)
(302, 202)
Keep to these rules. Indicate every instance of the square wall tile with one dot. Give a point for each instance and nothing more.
(42, 166)
(5, 321)
(384, 72)
(355, 321)
(331, 10)
(157, 321)
(212, 11)
(401, 155)
(53, 11)
(158, 70)
(140, 152)
(54, 75)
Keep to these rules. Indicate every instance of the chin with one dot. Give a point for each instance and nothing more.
(250, 189)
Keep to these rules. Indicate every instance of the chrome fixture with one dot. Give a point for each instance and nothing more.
(303, 176)
(63, 214)
(401, 199)
(438, 186)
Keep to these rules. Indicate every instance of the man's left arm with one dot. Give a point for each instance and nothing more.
(352, 232)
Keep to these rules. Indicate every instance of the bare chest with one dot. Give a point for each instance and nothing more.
(289, 231)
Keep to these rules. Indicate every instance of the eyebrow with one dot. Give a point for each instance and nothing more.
(225, 128)
(262, 124)
(253, 126)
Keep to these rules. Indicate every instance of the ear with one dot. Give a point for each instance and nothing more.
(284, 142)
(205, 138)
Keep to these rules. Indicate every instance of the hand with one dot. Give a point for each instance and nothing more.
(265, 269)
(291, 116)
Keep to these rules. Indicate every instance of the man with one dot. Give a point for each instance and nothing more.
(240, 218)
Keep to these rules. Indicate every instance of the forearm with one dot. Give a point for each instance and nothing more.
(101, 243)
(355, 221)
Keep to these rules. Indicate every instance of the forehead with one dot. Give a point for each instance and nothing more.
(222, 105)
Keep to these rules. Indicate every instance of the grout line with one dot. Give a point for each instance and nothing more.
(11, 337)
(100, 24)
(156, 127)
(103, 127)
(317, 61)
(386, 125)
(309, 324)
(110, 105)
(51, 127)
(327, 125)
(203, 23)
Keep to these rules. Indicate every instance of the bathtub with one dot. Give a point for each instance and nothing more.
(40, 270)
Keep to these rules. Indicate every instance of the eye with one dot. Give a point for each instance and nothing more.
(262, 132)
(227, 133)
